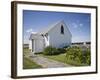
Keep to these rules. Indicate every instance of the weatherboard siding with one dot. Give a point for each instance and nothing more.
(57, 39)
(51, 37)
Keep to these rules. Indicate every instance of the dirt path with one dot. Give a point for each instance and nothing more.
(47, 63)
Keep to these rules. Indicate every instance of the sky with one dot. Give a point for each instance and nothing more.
(78, 23)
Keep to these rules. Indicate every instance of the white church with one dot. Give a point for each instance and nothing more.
(56, 35)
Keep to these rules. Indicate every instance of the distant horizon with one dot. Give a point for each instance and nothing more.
(71, 43)
(77, 23)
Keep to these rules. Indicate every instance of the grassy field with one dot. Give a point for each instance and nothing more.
(26, 51)
(28, 64)
(62, 58)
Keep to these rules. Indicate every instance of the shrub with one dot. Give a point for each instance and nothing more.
(38, 53)
(76, 54)
(87, 57)
(50, 51)
(61, 50)
(65, 46)
(88, 60)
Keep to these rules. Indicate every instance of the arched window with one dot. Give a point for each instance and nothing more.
(62, 29)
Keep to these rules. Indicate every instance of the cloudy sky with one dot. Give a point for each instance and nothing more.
(78, 23)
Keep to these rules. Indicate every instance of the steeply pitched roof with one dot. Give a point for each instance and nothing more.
(48, 28)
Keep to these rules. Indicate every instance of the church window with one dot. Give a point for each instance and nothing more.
(62, 29)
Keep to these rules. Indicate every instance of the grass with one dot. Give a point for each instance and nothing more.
(26, 51)
(29, 64)
(62, 58)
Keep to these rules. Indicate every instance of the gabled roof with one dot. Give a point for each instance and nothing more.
(48, 28)
(35, 36)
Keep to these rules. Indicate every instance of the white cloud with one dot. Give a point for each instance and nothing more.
(26, 39)
(80, 24)
(27, 35)
(74, 25)
(77, 25)
(29, 30)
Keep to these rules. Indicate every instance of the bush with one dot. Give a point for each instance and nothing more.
(76, 54)
(65, 46)
(38, 53)
(50, 51)
(86, 57)
(61, 50)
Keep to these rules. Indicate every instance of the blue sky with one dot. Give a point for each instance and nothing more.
(78, 23)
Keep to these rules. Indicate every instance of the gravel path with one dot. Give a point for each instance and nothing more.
(47, 63)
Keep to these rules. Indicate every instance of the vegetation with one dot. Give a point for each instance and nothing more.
(86, 57)
(53, 51)
(74, 54)
(71, 55)
(50, 51)
(77, 55)
(26, 51)
(62, 50)
(38, 53)
(60, 57)
(28, 64)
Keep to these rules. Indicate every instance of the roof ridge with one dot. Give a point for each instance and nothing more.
(50, 27)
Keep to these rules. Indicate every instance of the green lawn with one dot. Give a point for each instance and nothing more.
(28, 64)
(26, 51)
(62, 58)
